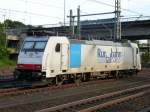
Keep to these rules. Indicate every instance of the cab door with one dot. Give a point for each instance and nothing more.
(64, 56)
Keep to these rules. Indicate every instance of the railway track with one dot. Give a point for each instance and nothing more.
(9, 82)
(29, 88)
(83, 91)
(102, 101)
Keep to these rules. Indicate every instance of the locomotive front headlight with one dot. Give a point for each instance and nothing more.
(38, 66)
(20, 66)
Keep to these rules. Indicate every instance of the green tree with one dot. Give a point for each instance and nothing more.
(4, 54)
(13, 24)
(2, 35)
(136, 41)
(145, 57)
(7, 24)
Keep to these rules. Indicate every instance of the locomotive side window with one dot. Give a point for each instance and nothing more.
(57, 48)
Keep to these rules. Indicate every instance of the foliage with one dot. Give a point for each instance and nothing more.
(2, 35)
(8, 24)
(124, 40)
(13, 24)
(5, 62)
(4, 59)
(136, 41)
(1, 27)
(2, 39)
(3, 52)
(145, 57)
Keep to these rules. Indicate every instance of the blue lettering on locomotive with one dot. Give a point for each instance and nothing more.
(108, 57)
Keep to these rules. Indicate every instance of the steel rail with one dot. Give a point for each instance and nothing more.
(92, 99)
(16, 91)
(114, 102)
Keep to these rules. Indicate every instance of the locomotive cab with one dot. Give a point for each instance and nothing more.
(29, 63)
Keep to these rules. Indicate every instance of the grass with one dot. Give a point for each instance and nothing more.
(5, 62)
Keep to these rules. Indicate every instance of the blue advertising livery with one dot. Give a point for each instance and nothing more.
(75, 55)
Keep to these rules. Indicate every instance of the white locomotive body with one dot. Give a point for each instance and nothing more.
(60, 56)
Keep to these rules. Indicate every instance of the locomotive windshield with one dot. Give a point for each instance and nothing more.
(34, 46)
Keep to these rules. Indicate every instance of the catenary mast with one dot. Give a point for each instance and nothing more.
(117, 20)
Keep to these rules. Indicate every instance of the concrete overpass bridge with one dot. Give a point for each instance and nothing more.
(98, 29)
(136, 30)
(131, 30)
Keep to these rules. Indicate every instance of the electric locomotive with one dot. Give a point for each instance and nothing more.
(59, 58)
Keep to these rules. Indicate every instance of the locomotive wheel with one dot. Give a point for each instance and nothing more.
(59, 80)
(78, 79)
(117, 75)
(136, 72)
(86, 77)
(50, 81)
(18, 75)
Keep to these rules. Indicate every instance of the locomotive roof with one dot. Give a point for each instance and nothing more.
(90, 42)
(99, 42)
(39, 38)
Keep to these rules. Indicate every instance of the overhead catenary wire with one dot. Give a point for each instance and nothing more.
(36, 14)
(31, 13)
(124, 19)
(42, 4)
(107, 4)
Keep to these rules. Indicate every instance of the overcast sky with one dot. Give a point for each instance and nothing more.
(38, 12)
